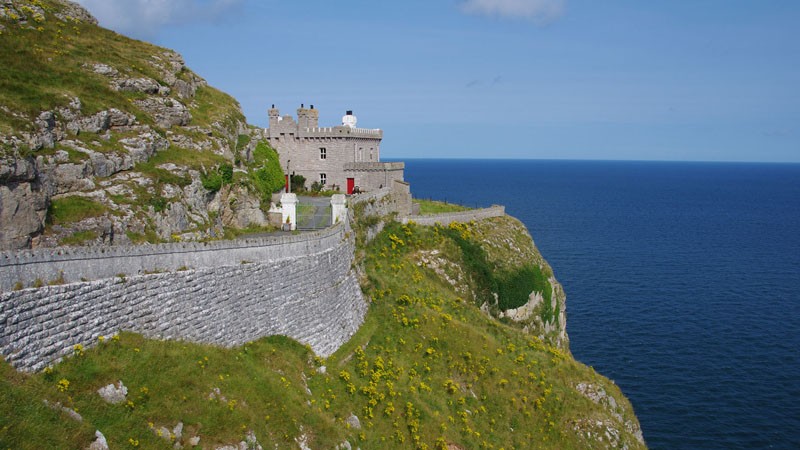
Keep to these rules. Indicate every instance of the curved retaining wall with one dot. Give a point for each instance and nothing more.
(445, 219)
(71, 264)
(302, 287)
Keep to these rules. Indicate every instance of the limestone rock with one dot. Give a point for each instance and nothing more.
(145, 145)
(353, 421)
(113, 394)
(104, 69)
(167, 112)
(240, 209)
(99, 442)
(143, 85)
(17, 169)
(23, 207)
(75, 11)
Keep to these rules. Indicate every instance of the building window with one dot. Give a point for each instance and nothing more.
(370, 154)
(323, 178)
(323, 153)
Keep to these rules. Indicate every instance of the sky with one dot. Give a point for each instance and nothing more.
(695, 80)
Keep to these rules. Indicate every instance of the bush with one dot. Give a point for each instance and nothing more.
(267, 175)
(214, 180)
(298, 183)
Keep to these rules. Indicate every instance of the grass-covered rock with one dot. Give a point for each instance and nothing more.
(86, 111)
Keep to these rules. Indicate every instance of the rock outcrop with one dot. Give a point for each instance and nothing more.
(139, 151)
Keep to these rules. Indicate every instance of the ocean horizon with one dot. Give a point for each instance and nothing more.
(682, 282)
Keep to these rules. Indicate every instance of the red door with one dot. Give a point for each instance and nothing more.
(351, 183)
(286, 184)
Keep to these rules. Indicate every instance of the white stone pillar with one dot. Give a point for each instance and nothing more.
(338, 208)
(289, 211)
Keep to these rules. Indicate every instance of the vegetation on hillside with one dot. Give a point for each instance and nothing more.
(427, 370)
(92, 113)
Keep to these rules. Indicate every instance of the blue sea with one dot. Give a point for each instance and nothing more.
(682, 282)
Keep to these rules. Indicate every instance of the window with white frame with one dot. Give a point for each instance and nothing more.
(323, 153)
(323, 178)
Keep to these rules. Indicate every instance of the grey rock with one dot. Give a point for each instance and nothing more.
(194, 441)
(178, 430)
(353, 421)
(103, 69)
(17, 169)
(145, 145)
(23, 207)
(143, 85)
(167, 112)
(185, 90)
(68, 411)
(74, 10)
(113, 394)
(99, 442)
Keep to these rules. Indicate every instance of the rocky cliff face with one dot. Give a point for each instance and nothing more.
(106, 140)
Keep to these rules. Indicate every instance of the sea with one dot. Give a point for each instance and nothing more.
(682, 282)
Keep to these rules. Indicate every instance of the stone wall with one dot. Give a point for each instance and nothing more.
(71, 264)
(313, 297)
(445, 219)
(395, 198)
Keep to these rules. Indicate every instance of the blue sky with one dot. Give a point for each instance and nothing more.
(710, 80)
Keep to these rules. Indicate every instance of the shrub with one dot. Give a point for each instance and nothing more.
(298, 183)
(267, 176)
(214, 180)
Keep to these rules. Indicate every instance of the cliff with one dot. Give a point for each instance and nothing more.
(106, 140)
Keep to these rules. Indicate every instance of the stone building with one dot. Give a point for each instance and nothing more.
(342, 157)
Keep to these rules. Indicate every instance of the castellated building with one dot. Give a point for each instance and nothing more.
(342, 157)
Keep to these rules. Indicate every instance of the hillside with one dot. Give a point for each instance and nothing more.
(428, 369)
(107, 140)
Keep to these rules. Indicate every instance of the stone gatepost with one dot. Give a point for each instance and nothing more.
(288, 212)
(338, 208)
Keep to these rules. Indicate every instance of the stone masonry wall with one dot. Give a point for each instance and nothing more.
(72, 264)
(313, 297)
(446, 219)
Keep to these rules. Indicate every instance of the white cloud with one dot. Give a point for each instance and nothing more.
(145, 18)
(539, 11)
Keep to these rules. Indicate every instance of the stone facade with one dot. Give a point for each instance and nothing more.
(342, 156)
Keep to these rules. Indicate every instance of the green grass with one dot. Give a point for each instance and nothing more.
(437, 207)
(26, 422)
(47, 63)
(233, 233)
(73, 209)
(42, 69)
(79, 237)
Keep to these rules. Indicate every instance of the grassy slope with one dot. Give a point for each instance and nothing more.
(45, 66)
(47, 62)
(426, 369)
